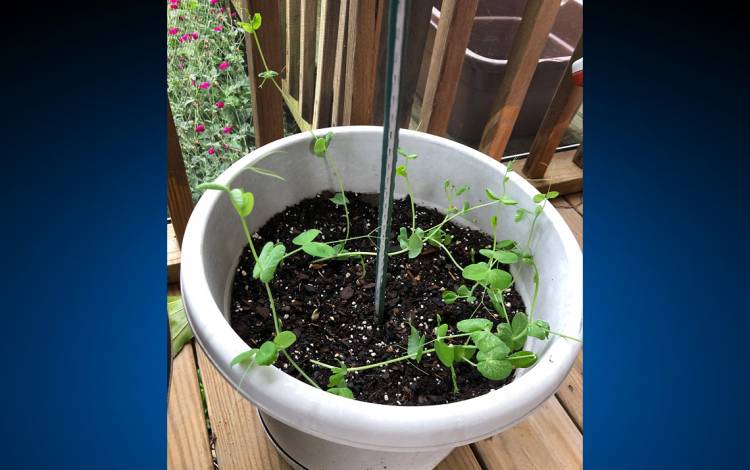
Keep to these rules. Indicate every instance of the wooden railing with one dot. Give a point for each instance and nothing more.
(330, 59)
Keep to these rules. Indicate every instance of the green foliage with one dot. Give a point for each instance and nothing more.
(443, 351)
(519, 326)
(244, 358)
(413, 243)
(179, 329)
(339, 199)
(266, 354)
(415, 347)
(319, 250)
(342, 392)
(306, 237)
(539, 329)
(284, 339)
(502, 256)
(522, 359)
(268, 260)
(473, 324)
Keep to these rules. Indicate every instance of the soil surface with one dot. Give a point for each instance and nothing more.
(330, 306)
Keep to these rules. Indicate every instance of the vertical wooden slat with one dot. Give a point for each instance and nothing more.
(362, 53)
(268, 117)
(308, 22)
(327, 42)
(418, 26)
(565, 103)
(339, 66)
(179, 197)
(537, 21)
(451, 40)
(187, 437)
(291, 84)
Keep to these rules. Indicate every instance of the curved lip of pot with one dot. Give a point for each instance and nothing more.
(359, 423)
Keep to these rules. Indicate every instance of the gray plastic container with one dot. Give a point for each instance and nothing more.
(495, 26)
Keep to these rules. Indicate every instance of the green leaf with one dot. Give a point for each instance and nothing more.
(499, 279)
(414, 244)
(464, 291)
(256, 21)
(268, 260)
(403, 237)
(449, 297)
(339, 199)
(247, 27)
(505, 333)
(267, 354)
(242, 201)
(491, 194)
(503, 256)
(320, 147)
(520, 330)
(319, 250)
(342, 392)
(538, 198)
(520, 214)
(401, 170)
(328, 138)
(502, 244)
(552, 195)
(486, 342)
(461, 352)
(462, 190)
(473, 324)
(508, 201)
(522, 359)
(539, 329)
(179, 328)
(476, 272)
(494, 369)
(244, 357)
(493, 221)
(284, 339)
(443, 351)
(306, 237)
(336, 379)
(415, 346)
(268, 74)
(216, 186)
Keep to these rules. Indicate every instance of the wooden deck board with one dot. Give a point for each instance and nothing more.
(241, 443)
(547, 439)
(187, 436)
(462, 458)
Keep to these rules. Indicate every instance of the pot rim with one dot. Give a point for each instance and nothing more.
(359, 423)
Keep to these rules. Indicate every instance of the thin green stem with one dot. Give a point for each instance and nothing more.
(450, 255)
(332, 162)
(566, 336)
(276, 325)
(299, 369)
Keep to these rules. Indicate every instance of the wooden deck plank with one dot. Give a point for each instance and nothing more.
(173, 256)
(307, 35)
(241, 443)
(576, 201)
(571, 391)
(462, 458)
(547, 439)
(562, 175)
(188, 446)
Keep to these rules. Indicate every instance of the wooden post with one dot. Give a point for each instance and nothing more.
(308, 22)
(179, 197)
(533, 32)
(327, 38)
(268, 117)
(291, 83)
(362, 53)
(451, 40)
(339, 66)
(565, 103)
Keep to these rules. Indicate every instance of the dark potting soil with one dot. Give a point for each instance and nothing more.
(330, 306)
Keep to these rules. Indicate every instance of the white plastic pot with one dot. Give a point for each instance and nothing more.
(315, 429)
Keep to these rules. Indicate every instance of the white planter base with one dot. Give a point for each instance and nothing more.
(305, 452)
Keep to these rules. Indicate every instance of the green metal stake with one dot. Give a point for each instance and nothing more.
(396, 24)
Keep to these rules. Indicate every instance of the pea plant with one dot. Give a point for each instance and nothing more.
(494, 349)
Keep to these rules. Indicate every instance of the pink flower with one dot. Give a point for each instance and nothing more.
(227, 130)
(221, 10)
(224, 65)
(219, 104)
(185, 37)
(176, 2)
(218, 28)
(173, 31)
(195, 35)
(173, 6)
(213, 2)
(200, 128)
(205, 85)
(211, 151)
